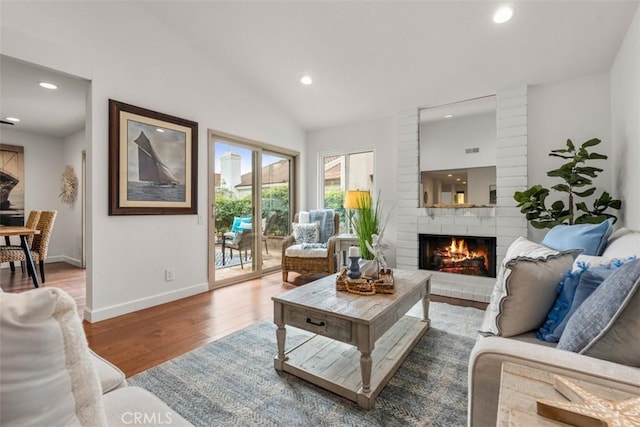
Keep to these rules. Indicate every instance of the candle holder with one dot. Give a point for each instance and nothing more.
(354, 269)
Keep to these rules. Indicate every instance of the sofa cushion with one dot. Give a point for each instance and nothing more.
(587, 273)
(591, 279)
(549, 331)
(623, 243)
(525, 288)
(300, 252)
(47, 376)
(592, 238)
(109, 375)
(137, 406)
(607, 324)
(306, 233)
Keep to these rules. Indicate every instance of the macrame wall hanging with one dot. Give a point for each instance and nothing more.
(69, 186)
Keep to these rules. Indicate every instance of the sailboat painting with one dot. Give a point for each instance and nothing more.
(156, 171)
(152, 162)
(11, 184)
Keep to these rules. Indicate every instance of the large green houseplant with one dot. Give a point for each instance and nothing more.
(366, 220)
(577, 177)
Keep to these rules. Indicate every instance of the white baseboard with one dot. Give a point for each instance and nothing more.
(57, 258)
(64, 258)
(97, 315)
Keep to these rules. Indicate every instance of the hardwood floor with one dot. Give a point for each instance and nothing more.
(138, 341)
(58, 274)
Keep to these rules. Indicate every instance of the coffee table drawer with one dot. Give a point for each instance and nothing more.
(319, 323)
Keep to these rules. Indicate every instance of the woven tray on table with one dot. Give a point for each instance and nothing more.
(384, 284)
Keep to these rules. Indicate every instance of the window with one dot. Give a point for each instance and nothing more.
(342, 172)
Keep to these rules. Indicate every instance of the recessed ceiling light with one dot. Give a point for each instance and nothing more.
(48, 85)
(12, 119)
(464, 182)
(502, 15)
(448, 116)
(449, 175)
(160, 130)
(457, 179)
(306, 80)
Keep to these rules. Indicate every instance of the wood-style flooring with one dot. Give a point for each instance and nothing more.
(138, 341)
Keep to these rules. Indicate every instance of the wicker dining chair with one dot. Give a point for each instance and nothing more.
(39, 246)
(32, 221)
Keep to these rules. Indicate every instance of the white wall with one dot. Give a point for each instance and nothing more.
(443, 142)
(478, 182)
(131, 57)
(578, 110)
(625, 119)
(71, 215)
(43, 167)
(379, 135)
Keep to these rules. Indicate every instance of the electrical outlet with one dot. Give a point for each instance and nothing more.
(169, 274)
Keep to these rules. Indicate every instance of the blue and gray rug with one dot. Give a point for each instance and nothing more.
(232, 382)
(231, 262)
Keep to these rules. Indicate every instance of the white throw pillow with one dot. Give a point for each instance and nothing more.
(303, 217)
(525, 288)
(623, 243)
(306, 233)
(47, 377)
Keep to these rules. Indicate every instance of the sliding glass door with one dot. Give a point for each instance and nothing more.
(250, 189)
(277, 212)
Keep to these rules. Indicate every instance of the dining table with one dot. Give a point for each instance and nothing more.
(24, 233)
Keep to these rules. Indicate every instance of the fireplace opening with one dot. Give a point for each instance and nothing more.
(471, 255)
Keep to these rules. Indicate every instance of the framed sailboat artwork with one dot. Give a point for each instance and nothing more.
(153, 162)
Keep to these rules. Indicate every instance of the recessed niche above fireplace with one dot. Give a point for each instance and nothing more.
(470, 255)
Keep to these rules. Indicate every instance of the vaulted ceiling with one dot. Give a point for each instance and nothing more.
(370, 59)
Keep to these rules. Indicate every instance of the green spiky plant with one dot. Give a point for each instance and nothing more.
(366, 221)
(577, 178)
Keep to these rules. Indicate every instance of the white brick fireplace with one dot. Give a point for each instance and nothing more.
(504, 221)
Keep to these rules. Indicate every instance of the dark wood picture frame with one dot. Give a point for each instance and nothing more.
(153, 162)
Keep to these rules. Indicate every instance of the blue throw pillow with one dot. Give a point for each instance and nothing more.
(607, 324)
(235, 227)
(589, 281)
(566, 291)
(590, 237)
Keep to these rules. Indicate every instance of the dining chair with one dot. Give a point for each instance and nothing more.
(39, 245)
(32, 221)
(242, 242)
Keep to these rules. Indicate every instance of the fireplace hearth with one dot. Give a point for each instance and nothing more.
(470, 255)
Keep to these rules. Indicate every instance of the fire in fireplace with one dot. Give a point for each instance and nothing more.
(470, 255)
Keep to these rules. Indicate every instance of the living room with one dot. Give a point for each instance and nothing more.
(115, 46)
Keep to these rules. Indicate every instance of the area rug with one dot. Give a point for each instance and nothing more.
(232, 382)
(231, 262)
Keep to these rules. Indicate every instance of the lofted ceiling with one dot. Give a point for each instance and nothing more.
(370, 59)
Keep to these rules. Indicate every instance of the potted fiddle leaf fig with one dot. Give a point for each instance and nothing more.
(577, 179)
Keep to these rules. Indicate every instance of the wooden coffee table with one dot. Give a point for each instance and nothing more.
(360, 340)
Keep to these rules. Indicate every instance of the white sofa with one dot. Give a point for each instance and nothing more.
(49, 376)
(490, 352)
